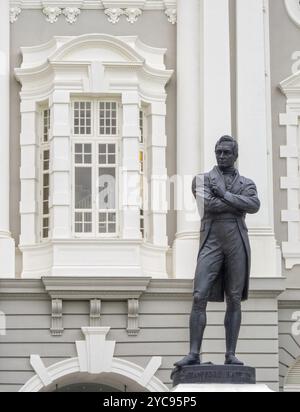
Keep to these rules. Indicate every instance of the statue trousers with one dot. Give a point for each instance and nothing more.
(223, 255)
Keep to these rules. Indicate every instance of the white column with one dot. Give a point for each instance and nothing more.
(204, 107)
(7, 245)
(29, 174)
(60, 166)
(215, 78)
(188, 133)
(157, 172)
(254, 126)
(131, 166)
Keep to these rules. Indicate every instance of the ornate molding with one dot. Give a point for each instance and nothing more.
(52, 14)
(132, 14)
(123, 4)
(114, 15)
(95, 313)
(114, 9)
(133, 317)
(71, 14)
(172, 15)
(95, 4)
(56, 318)
(14, 13)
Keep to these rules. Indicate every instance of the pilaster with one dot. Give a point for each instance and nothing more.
(60, 164)
(7, 244)
(130, 166)
(254, 128)
(157, 173)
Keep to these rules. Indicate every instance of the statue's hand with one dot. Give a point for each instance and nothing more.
(218, 191)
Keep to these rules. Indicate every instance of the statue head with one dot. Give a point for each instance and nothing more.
(227, 152)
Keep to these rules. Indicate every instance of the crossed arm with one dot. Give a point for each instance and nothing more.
(216, 200)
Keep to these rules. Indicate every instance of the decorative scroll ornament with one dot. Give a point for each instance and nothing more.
(132, 14)
(52, 13)
(56, 318)
(71, 14)
(133, 317)
(172, 15)
(114, 15)
(95, 313)
(14, 14)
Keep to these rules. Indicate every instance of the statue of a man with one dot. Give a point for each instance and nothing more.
(223, 266)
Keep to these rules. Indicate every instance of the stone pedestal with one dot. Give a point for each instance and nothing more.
(216, 378)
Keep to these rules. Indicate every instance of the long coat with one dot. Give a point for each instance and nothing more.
(241, 198)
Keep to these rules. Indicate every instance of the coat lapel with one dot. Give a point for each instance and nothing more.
(216, 177)
(237, 184)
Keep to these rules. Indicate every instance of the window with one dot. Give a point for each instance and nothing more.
(46, 125)
(83, 188)
(107, 188)
(108, 118)
(45, 172)
(95, 159)
(82, 118)
(142, 126)
(142, 173)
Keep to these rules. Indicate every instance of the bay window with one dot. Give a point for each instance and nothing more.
(93, 146)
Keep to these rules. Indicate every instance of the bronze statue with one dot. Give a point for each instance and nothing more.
(223, 266)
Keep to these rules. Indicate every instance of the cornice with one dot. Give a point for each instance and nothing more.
(95, 4)
(131, 10)
(116, 288)
(22, 288)
(290, 299)
(259, 288)
(103, 288)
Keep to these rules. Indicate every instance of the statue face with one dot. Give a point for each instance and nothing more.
(225, 155)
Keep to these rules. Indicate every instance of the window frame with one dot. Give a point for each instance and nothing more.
(95, 139)
(44, 146)
(143, 173)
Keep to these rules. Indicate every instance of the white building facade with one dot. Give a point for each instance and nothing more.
(108, 110)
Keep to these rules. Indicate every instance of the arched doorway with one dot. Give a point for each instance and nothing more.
(86, 387)
(124, 377)
(95, 364)
(87, 382)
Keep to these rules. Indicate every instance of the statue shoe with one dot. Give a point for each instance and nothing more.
(231, 359)
(189, 360)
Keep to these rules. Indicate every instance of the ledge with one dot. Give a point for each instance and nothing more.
(266, 287)
(104, 288)
(22, 288)
(123, 288)
(259, 288)
(289, 299)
